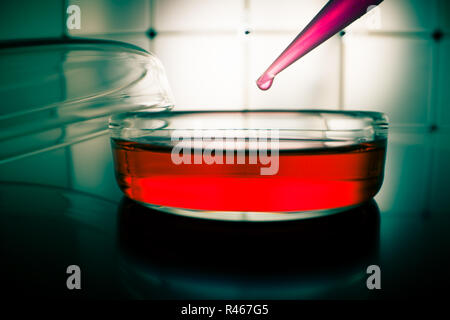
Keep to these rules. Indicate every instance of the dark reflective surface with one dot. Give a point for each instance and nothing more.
(44, 229)
(128, 251)
(167, 256)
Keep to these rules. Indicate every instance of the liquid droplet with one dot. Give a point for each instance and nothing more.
(264, 82)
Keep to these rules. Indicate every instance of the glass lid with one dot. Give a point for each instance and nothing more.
(58, 92)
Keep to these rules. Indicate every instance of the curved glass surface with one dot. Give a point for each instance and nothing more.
(258, 165)
(57, 93)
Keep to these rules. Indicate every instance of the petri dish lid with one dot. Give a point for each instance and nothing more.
(55, 93)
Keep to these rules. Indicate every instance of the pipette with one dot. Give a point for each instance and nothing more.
(334, 16)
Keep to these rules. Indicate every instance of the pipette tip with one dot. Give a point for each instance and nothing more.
(264, 82)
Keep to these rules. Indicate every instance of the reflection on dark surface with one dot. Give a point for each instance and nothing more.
(125, 250)
(128, 250)
(168, 256)
(45, 229)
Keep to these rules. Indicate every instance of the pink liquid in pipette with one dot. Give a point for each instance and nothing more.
(336, 15)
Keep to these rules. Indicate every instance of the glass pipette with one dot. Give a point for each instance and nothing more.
(334, 16)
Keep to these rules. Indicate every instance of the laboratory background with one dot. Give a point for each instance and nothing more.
(60, 203)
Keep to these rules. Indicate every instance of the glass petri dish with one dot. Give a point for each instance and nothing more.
(58, 92)
(258, 165)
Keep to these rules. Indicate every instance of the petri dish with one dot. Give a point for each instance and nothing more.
(59, 92)
(250, 165)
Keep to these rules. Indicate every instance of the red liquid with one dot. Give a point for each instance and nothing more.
(306, 180)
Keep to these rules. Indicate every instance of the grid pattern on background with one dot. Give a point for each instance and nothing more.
(214, 50)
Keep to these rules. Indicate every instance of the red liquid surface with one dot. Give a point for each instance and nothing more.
(306, 179)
